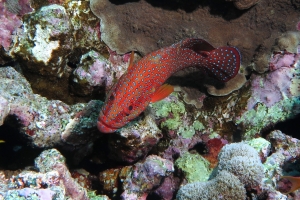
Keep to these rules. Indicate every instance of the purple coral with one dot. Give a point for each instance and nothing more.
(284, 59)
(145, 176)
(277, 84)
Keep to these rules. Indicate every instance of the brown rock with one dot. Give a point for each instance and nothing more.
(146, 26)
(244, 4)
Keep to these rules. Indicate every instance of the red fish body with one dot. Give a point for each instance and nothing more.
(143, 82)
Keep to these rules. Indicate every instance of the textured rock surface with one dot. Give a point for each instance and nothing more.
(45, 122)
(149, 25)
(52, 181)
(133, 142)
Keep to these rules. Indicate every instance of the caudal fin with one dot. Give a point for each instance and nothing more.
(223, 63)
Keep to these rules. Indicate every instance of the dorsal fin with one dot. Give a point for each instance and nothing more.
(197, 45)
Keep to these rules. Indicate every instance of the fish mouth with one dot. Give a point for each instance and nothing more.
(104, 127)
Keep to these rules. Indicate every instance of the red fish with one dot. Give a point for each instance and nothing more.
(290, 184)
(143, 81)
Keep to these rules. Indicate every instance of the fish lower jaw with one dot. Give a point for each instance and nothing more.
(104, 128)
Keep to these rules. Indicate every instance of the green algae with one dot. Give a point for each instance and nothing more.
(175, 113)
(165, 108)
(256, 119)
(189, 131)
(93, 196)
(258, 143)
(194, 166)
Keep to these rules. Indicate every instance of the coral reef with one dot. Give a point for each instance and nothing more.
(239, 165)
(289, 41)
(194, 167)
(141, 25)
(234, 84)
(274, 95)
(137, 180)
(50, 43)
(145, 176)
(56, 71)
(45, 122)
(243, 161)
(133, 142)
(224, 185)
(52, 181)
(11, 12)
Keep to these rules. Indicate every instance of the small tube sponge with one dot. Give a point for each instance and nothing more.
(243, 161)
(224, 186)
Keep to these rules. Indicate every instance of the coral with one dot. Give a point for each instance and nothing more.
(243, 161)
(262, 146)
(10, 20)
(50, 44)
(145, 176)
(40, 38)
(273, 96)
(168, 187)
(213, 147)
(239, 165)
(47, 122)
(194, 166)
(284, 59)
(4, 109)
(109, 180)
(192, 96)
(244, 4)
(225, 186)
(234, 84)
(52, 181)
(261, 116)
(289, 41)
(173, 111)
(95, 71)
(134, 141)
(137, 180)
(286, 151)
(92, 71)
(127, 27)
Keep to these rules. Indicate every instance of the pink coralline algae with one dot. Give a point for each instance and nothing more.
(283, 59)
(10, 19)
(95, 72)
(46, 122)
(145, 176)
(133, 142)
(286, 153)
(282, 82)
(52, 181)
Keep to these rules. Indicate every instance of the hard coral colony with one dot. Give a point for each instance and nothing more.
(222, 133)
(143, 82)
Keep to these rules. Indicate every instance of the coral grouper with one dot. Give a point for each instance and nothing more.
(143, 81)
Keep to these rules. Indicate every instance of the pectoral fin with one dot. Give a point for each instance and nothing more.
(162, 92)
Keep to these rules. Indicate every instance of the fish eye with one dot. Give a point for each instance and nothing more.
(130, 107)
(111, 97)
